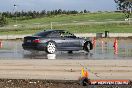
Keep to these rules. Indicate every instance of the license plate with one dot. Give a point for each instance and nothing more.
(28, 40)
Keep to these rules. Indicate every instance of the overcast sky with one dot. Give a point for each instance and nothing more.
(91, 5)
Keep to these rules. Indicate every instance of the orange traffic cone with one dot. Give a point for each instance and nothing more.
(0, 44)
(115, 50)
(115, 44)
(115, 47)
(94, 42)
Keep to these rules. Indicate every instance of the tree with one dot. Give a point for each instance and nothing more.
(43, 13)
(85, 11)
(81, 12)
(3, 21)
(59, 11)
(48, 13)
(125, 6)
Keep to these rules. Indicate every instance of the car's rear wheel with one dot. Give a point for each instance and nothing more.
(88, 46)
(51, 47)
(70, 52)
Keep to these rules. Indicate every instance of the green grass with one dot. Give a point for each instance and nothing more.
(80, 23)
(112, 28)
(72, 18)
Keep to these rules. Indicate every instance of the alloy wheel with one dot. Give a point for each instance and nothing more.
(51, 48)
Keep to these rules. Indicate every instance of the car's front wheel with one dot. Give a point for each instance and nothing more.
(88, 46)
(51, 48)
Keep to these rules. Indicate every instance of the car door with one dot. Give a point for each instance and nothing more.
(69, 41)
(61, 42)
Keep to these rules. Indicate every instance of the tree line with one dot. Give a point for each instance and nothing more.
(25, 15)
(36, 14)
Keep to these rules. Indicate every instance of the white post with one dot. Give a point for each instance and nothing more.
(51, 25)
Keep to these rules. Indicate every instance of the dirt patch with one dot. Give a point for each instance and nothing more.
(25, 83)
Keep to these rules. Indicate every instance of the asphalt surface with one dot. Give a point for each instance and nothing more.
(103, 50)
(65, 69)
(23, 69)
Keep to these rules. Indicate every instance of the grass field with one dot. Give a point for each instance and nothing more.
(80, 23)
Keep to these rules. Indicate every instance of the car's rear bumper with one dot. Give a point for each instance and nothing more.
(40, 47)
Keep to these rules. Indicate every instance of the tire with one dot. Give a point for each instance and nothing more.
(51, 48)
(70, 52)
(88, 46)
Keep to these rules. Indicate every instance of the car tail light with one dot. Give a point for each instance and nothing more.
(36, 41)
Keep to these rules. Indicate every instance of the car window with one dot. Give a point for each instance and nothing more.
(66, 34)
(42, 34)
(53, 35)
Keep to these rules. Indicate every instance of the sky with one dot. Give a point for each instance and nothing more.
(38, 5)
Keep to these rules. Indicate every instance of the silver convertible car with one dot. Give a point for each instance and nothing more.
(56, 40)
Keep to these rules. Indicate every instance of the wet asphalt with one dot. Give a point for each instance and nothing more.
(103, 49)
